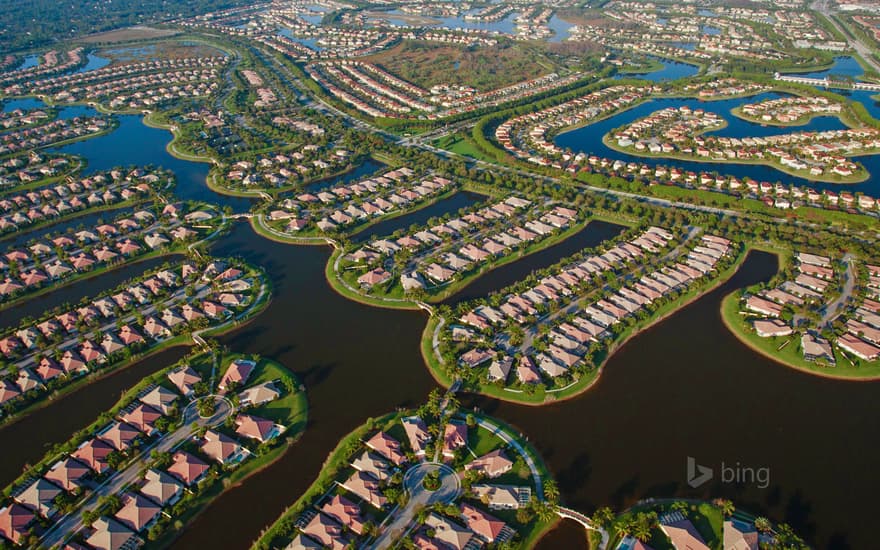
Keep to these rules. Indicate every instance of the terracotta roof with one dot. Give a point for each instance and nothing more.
(187, 468)
(137, 511)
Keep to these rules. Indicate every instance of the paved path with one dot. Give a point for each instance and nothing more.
(834, 309)
(71, 523)
(419, 498)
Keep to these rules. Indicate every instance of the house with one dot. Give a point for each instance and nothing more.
(302, 542)
(184, 379)
(222, 448)
(681, 532)
(8, 391)
(499, 369)
(387, 447)
(502, 497)
(417, 434)
(487, 527)
(110, 534)
(257, 395)
(345, 512)
(15, 521)
(120, 435)
(816, 348)
(187, 468)
(373, 277)
(143, 417)
(254, 427)
(236, 374)
(455, 436)
(93, 453)
(160, 399)
(449, 533)
(366, 487)
(492, 464)
(527, 372)
(766, 328)
(161, 488)
(39, 496)
(371, 464)
(739, 535)
(138, 512)
(67, 474)
(327, 531)
(858, 347)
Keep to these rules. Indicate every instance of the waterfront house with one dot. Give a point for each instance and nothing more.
(160, 399)
(739, 535)
(39, 496)
(238, 373)
(492, 464)
(110, 534)
(161, 488)
(187, 468)
(387, 447)
(259, 394)
(184, 379)
(681, 532)
(67, 473)
(222, 448)
(138, 512)
(502, 497)
(417, 434)
(366, 487)
(345, 512)
(455, 437)
(254, 427)
(326, 530)
(15, 522)
(487, 527)
(93, 453)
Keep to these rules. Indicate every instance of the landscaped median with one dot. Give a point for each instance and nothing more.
(171, 445)
(422, 475)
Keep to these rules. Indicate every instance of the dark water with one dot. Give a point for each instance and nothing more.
(72, 294)
(588, 139)
(454, 203)
(28, 440)
(363, 170)
(672, 70)
(356, 361)
(594, 233)
(134, 143)
(688, 388)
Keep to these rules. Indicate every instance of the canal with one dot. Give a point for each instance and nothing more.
(588, 139)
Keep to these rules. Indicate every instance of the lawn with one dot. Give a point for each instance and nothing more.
(462, 145)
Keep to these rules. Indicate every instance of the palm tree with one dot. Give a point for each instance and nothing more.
(551, 491)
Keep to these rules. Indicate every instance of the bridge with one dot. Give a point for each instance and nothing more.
(242, 216)
(586, 523)
(426, 307)
(828, 83)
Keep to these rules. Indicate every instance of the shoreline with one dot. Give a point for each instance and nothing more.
(776, 359)
(615, 346)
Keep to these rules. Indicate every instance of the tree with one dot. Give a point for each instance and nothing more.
(603, 516)
(551, 491)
